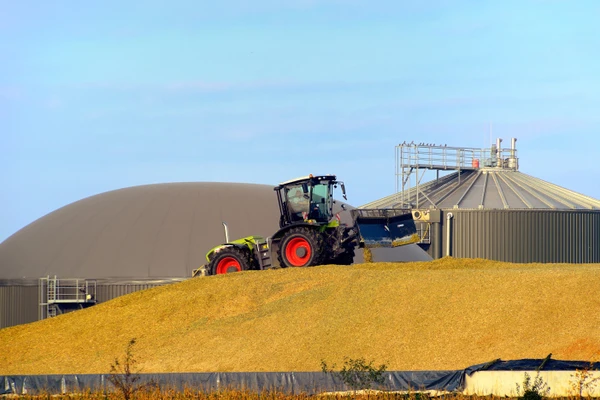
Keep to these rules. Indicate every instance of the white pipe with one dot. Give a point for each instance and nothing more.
(499, 153)
(513, 154)
(448, 223)
(226, 232)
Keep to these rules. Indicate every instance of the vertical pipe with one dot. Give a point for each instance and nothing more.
(417, 175)
(499, 153)
(226, 232)
(437, 251)
(402, 175)
(513, 153)
(448, 233)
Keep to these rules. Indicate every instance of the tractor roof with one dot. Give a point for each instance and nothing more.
(307, 177)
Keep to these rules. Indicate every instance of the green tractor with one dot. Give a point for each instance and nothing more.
(310, 233)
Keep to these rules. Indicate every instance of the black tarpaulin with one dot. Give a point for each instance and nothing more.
(528, 364)
(286, 382)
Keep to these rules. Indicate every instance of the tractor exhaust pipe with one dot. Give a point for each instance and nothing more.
(226, 232)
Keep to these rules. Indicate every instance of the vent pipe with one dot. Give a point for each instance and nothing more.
(512, 161)
(498, 153)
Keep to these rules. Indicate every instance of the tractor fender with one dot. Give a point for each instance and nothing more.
(276, 239)
(220, 247)
(246, 243)
(279, 234)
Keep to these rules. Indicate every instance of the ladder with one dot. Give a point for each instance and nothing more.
(57, 296)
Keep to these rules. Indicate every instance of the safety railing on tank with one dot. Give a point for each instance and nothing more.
(54, 292)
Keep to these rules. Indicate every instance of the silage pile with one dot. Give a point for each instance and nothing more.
(445, 314)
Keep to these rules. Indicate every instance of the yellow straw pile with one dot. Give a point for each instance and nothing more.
(444, 314)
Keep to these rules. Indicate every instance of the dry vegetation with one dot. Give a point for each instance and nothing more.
(249, 395)
(444, 314)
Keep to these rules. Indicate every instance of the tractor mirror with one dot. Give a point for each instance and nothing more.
(305, 188)
(343, 190)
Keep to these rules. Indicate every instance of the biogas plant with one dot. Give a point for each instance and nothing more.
(488, 209)
(478, 205)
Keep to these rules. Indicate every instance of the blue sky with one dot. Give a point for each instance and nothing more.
(96, 96)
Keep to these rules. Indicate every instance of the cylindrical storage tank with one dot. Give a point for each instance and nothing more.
(19, 302)
(526, 236)
(505, 215)
(128, 239)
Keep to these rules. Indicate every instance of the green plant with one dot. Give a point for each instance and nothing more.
(537, 390)
(124, 376)
(357, 373)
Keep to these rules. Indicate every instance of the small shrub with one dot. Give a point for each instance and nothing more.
(583, 380)
(536, 391)
(124, 376)
(357, 373)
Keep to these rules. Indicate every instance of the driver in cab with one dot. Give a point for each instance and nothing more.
(298, 200)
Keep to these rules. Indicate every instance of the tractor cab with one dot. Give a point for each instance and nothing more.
(307, 199)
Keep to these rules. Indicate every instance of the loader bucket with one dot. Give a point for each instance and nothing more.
(385, 227)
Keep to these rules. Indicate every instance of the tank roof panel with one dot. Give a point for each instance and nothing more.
(488, 188)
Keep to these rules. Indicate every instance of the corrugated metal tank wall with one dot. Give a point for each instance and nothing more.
(547, 236)
(20, 303)
(105, 292)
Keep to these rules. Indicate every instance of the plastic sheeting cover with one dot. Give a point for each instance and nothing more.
(286, 382)
(528, 364)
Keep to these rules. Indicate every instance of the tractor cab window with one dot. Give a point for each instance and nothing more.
(320, 205)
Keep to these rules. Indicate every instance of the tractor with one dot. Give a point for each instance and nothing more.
(310, 233)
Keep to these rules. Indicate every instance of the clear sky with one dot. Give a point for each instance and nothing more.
(96, 96)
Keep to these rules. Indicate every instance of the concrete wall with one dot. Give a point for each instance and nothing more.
(504, 383)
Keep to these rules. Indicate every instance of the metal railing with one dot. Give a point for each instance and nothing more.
(54, 292)
(413, 159)
(453, 158)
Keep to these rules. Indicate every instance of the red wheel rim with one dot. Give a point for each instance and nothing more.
(295, 249)
(228, 264)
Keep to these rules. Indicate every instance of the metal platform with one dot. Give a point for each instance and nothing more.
(414, 160)
(58, 296)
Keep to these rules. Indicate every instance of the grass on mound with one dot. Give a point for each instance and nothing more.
(443, 314)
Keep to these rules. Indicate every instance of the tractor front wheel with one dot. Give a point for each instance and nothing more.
(300, 247)
(227, 260)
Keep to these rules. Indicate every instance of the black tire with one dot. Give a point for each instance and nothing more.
(300, 247)
(229, 259)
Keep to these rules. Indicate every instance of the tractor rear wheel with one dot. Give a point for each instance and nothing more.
(300, 247)
(227, 260)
